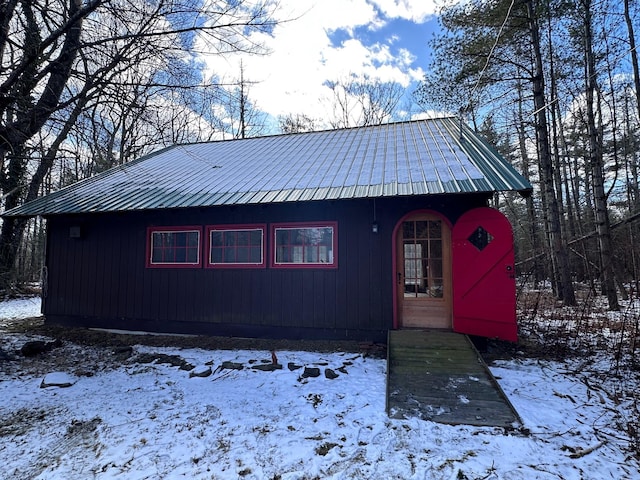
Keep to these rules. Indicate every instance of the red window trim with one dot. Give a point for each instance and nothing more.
(235, 227)
(188, 228)
(276, 226)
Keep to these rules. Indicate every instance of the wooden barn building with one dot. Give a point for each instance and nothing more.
(341, 234)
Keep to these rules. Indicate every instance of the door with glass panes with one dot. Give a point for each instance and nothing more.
(423, 276)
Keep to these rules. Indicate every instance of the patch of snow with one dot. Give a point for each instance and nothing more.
(147, 421)
(141, 332)
(200, 371)
(58, 379)
(19, 308)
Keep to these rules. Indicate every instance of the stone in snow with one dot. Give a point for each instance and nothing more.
(57, 379)
(310, 372)
(201, 371)
(330, 374)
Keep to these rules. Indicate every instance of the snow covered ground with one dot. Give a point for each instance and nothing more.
(134, 420)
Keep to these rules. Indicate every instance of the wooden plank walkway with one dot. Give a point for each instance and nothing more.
(439, 376)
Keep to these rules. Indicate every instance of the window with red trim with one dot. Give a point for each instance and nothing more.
(305, 245)
(174, 247)
(236, 246)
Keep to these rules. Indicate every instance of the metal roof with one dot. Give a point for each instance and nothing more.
(419, 157)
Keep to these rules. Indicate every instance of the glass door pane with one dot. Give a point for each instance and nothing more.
(422, 248)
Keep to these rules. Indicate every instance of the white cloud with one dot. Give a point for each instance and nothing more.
(415, 10)
(291, 78)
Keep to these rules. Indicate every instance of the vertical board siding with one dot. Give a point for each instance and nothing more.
(138, 259)
(102, 276)
(362, 276)
(96, 258)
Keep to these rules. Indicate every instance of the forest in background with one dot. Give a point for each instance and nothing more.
(554, 86)
(87, 85)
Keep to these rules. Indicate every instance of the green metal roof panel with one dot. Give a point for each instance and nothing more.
(406, 158)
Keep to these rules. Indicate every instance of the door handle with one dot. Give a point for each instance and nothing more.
(399, 278)
(510, 272)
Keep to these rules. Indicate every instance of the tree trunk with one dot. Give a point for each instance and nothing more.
(10, 233)
(560, 260)
(24, 125)
(531, 215)
(597, 167)
(634, 54)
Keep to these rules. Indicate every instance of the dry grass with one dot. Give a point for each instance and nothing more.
(605, 343)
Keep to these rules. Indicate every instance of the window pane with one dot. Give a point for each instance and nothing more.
(408, 230)
(435, 229)
(423, 284)
(216, 255)
(256, 237)
(324, 254)
(229, 255)
(180, 239)
(175, 247)
(230, 239)
(283, 255)
(243, 238)
(157, 239)
(242, 255)
(193, 239)
(422, 229)
(410, 250)
(436, 248)
(412, 270)
(422, 248)
(216, 239)
(306, 245)
(234, 246)
(311, 254)
(435, 266)
(436, 290)
(282, 237)
(168, 240)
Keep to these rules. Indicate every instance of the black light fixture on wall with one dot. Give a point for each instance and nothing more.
(75, 231)
(374, 225)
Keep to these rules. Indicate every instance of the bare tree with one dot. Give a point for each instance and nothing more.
(363, 101)
(596, 161)
(559, 257)
(297, 123)
(633, 52)
(489, 53)
(234, 113)
(67, 59)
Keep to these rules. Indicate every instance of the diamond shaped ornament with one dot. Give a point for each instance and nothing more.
(480, 238)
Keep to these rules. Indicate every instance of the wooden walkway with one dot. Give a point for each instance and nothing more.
(439, 376)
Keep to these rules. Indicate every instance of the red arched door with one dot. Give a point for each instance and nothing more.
(484, 286)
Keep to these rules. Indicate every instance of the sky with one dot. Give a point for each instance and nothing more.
(125, 418)
(328, 40)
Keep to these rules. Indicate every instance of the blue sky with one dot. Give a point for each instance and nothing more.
(330, 40)
(399, 34)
